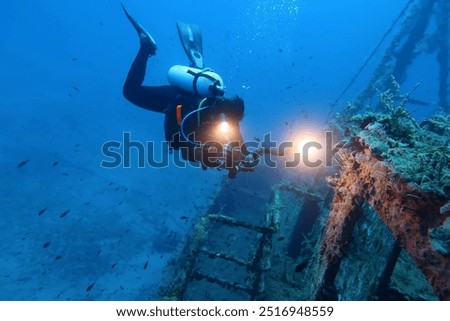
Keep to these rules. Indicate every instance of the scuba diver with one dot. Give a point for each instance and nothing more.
(199, 120)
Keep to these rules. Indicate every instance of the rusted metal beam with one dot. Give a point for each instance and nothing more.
(345, 212)
(407, 211)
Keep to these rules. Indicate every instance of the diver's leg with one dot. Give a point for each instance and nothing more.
(136, 75)
(154, 98)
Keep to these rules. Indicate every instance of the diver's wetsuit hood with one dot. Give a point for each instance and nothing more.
(233, 108)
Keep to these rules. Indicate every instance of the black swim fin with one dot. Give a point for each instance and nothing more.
(143, 34)
(191, 39)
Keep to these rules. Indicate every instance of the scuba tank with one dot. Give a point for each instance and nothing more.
(203, 83)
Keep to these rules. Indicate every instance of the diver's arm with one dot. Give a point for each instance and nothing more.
(154, 98)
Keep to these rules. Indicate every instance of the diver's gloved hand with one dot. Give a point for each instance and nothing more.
(248, 164)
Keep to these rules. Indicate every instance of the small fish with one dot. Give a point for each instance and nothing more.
(22, 163)
(184, 218)
(113, 265)
(42, 211)
(161, 256)
(65, 174)
(46, 245)
(281, 238)
(89, 288)
(286, 123)
(70, 95)
(54, 164)
(288, 87)
(145, 265)
(64, 213)
(300, 267)
(74, 59)
(58, 257)
(75, 88)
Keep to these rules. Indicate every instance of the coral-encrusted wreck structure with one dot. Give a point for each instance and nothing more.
(410, 214)
(401, 170)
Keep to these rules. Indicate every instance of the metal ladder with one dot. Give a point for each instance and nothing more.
(210, 262)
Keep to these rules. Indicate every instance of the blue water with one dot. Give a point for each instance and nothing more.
(63, 67)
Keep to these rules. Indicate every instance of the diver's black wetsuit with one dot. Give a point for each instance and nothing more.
(155, 98)
(165, 99)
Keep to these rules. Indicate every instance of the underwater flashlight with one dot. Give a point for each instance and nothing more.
(224, 126)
